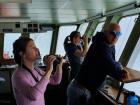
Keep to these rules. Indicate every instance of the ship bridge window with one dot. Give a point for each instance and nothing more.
(99, 28)
(126, 24)
(82, 28)
(9, 38)
(134, 63)
(42, 39)
(63, 32)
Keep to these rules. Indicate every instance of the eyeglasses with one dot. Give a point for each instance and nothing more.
(117, 34)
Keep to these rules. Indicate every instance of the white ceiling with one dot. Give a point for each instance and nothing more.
(59, 11)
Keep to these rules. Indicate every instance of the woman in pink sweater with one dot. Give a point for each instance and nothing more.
(29, 83)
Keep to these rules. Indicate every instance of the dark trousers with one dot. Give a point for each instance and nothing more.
(78, 95)
(75, 68)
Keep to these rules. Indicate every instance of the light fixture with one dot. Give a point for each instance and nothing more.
(15, 19)
(15, 1)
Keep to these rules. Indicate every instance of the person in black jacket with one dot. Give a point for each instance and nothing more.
(98, 63)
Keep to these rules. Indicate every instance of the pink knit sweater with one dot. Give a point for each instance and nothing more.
(29, 92)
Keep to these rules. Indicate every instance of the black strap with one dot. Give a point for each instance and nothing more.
(38, 72)
(26, 68)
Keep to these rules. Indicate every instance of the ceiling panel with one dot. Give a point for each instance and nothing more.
(60, 11)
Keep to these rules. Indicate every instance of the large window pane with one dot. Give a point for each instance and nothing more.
(43, 42)
(9, 38)
(126, 25)
(134, 63)
(63, 32)
(99, 28)
(83, 28)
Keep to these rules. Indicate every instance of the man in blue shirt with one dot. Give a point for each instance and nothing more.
(98, 63)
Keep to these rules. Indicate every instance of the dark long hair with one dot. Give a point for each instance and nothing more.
(70, 37)
(19, 46)
(74, 34)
